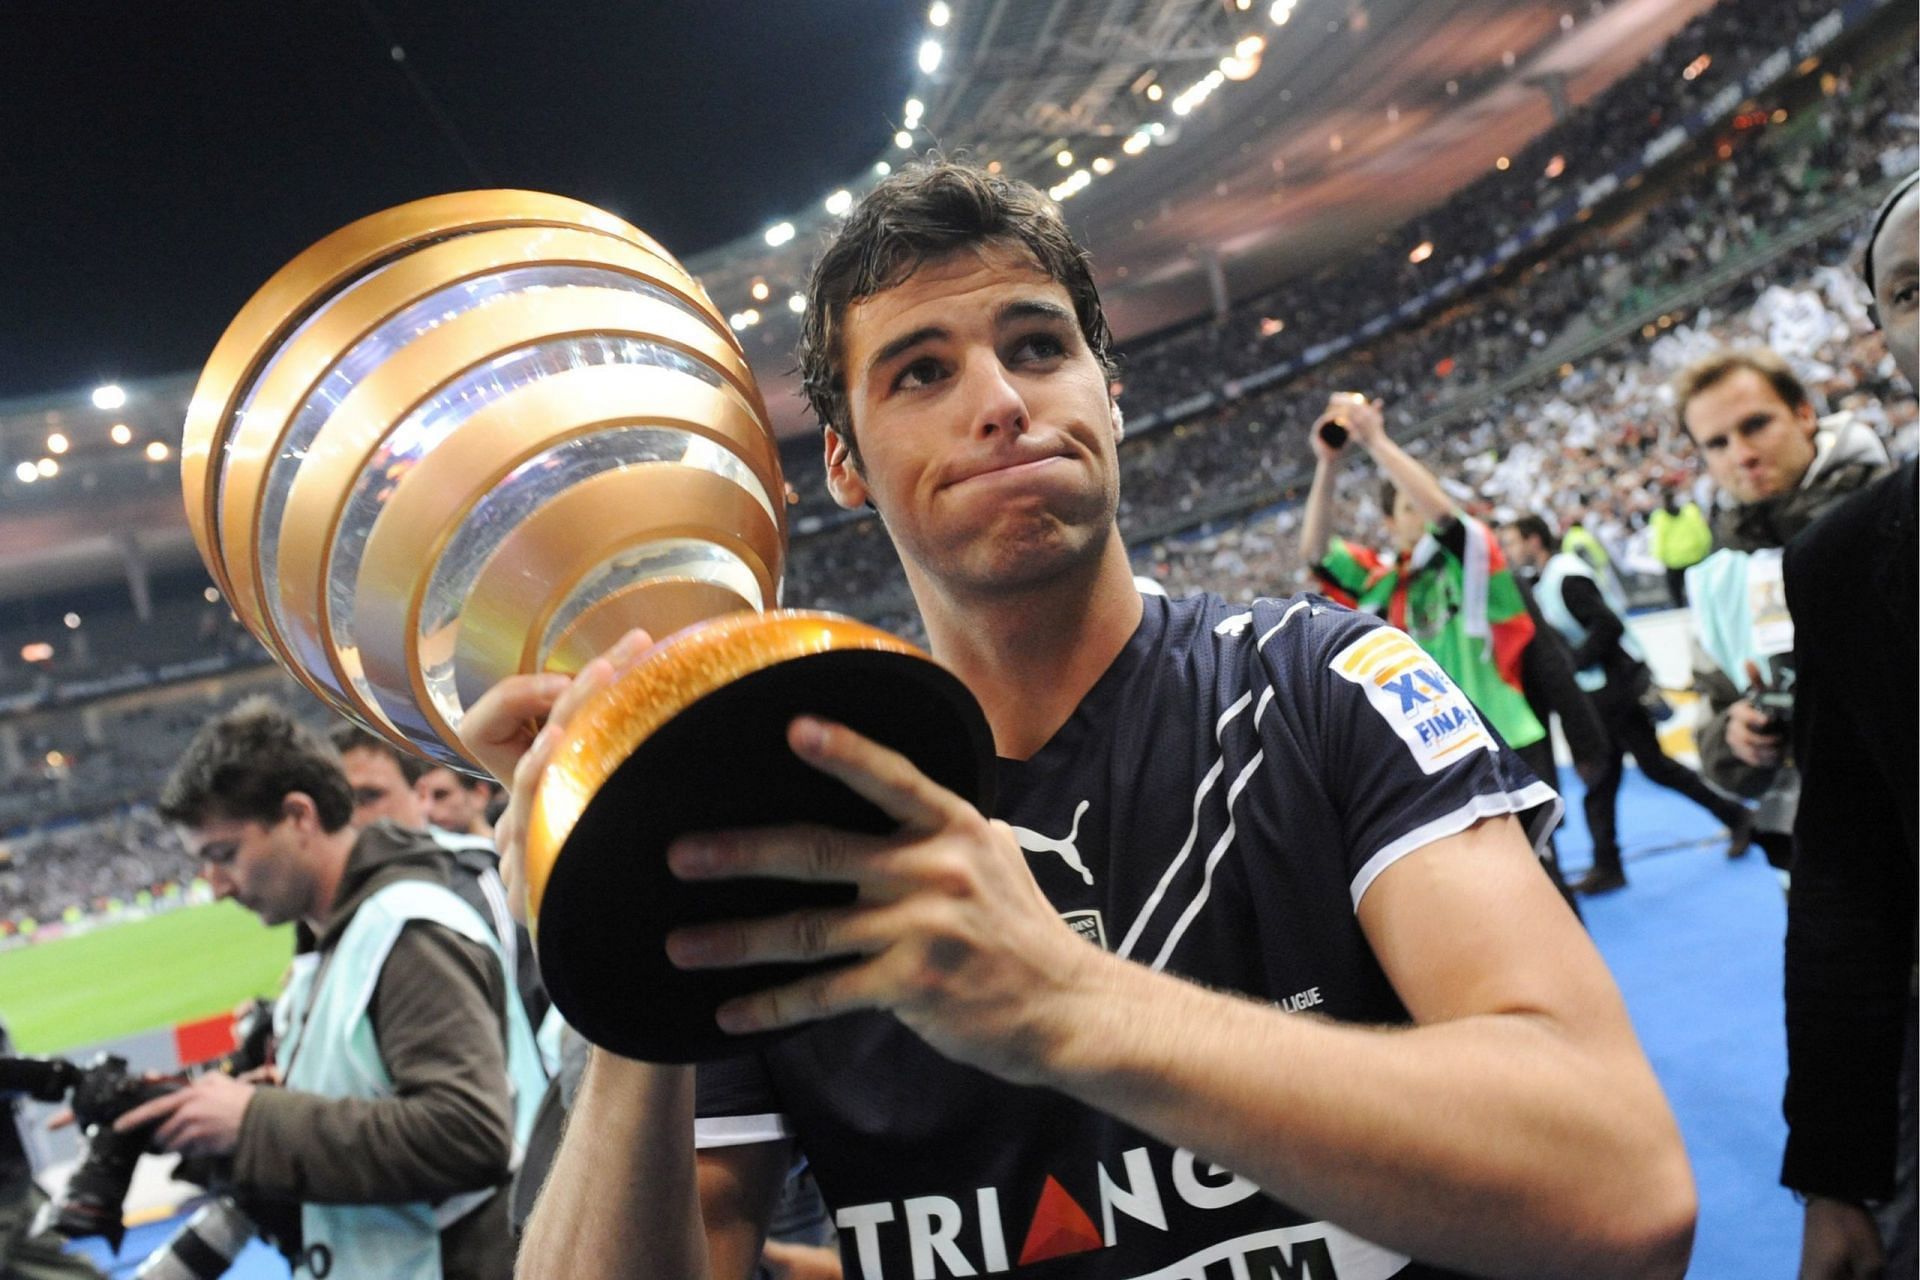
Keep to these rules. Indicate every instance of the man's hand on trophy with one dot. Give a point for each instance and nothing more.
(513, 729)
(950, 931)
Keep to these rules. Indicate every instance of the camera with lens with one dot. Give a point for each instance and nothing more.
(1775, 701)
(99, 1094)
(92, 1204)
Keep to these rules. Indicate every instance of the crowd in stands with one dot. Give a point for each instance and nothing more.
(88, 867)
(1715, 210)
(1587, 435)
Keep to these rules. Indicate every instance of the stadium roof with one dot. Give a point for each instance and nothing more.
(1261, 136)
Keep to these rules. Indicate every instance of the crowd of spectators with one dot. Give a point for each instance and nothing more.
(86, 867)
(1590, 438)
(1735, 201)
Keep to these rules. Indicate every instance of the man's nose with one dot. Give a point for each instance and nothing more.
(997, 403)
(219, 881)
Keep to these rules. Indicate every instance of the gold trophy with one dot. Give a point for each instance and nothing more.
(489, 433)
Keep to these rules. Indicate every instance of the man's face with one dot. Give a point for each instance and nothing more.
(1522, 552)
(380, 790)
(1896, 284)
(987, 438)
(256, 864)
(449, 805)
(1405, 524)
(1754, 445)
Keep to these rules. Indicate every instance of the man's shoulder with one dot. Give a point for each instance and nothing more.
(1285, 634)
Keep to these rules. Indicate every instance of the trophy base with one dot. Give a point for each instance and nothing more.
(723, 763)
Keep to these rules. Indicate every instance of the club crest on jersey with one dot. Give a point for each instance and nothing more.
(1409, 691)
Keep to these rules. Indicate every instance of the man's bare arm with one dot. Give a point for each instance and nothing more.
(1408, 474)
(1516, 1130)
(628, 1197)
(1316, 523)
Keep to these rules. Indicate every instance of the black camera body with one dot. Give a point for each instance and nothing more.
(99, 1094)
(103, 1091)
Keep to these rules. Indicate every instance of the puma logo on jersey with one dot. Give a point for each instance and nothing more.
(1034, 842)
(1236, 626)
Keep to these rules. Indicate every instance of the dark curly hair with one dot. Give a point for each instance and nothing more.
(243, 764)
(923, 212)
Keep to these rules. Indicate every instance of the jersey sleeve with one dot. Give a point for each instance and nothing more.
(734, 1104)
(1403, 757)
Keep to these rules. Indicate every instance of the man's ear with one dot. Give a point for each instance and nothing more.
(1119, 421)
(844, 480)
(299, 806)
(1809, 418)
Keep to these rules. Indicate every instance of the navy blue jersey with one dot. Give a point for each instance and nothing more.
(1216, 807)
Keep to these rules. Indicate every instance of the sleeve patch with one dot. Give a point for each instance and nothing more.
(1408, 690)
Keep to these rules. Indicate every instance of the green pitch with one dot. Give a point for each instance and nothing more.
(134, 977)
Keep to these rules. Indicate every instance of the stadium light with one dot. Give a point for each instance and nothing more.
(1251, 46)
(1155, 92)
(1103, 165)
(1282, 10)
(797, 303)
(108, 397)
(930, 53)
(779, 233)
(1136, 143)
(38, 651)
(1421, 252)
(759, 291)
(839, 202)
(56, 759)
(1502, 164)
(26, 473)
(903, 140)
(212, 595)
(883, 169)
(915, 109)
(120, 434)
(1556, 166)
(47, 468)
(56, 443)
(940, 14)
(73, 621)
(1063, 158)
(157, 451)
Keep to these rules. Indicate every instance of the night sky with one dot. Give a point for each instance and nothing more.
(159, 160)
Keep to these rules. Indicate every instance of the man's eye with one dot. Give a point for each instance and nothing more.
(921, 373)
(1039, 346)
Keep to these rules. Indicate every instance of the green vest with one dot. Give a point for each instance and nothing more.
(1680, 538)
(328, 1048)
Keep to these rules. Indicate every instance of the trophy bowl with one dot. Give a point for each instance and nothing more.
(489, 433)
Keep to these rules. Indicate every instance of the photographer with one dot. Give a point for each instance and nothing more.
(1778, 467)
(1854, 590)
(25, 1254)
(411, 1075)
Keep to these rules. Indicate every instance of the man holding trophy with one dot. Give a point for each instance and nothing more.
(977, 1083)
(1128, 937)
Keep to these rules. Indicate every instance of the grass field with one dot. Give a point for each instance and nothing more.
(134, 977)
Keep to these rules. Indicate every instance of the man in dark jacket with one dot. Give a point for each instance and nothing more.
(1778, 467)
(1853, 587)
(1610, 668)
(409, 1067)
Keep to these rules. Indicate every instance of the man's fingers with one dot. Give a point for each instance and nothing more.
(496, 728)
(880, 775)
(801, 852)
(824, 995)
(147, 1112)
(797, 936)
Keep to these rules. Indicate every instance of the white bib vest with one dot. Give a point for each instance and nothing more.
(327, 1047)
(1551, 598)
